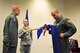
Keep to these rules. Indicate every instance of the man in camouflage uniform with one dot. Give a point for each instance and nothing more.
(25, 34)
(66, 29)
(10, 31)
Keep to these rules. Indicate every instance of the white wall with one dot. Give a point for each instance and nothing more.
(39, 14)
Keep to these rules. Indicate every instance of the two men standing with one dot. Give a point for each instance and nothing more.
(10, 33)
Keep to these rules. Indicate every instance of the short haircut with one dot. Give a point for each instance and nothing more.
(15, 7)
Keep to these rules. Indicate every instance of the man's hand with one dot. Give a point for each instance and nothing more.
(62, 35)
(44, 31)
(13, 45)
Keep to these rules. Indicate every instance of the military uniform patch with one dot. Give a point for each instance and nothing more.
(14, 20)
(68, 21)
(58, 24)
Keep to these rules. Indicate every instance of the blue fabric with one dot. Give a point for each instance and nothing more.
(27, 16)
(39, 31)
(55, 36)
(55, 39)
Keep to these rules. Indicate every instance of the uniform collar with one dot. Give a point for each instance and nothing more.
(13, 14)
(26, 27)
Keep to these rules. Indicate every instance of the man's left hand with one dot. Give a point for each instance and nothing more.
(62, 35)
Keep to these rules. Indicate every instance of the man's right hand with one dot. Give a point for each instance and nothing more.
(44, 31)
